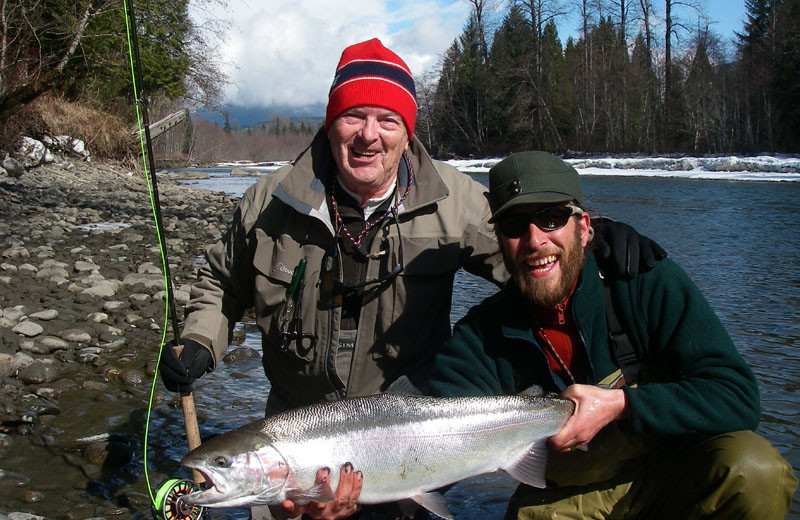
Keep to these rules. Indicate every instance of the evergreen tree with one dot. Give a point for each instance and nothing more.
(462, 107)
(512, 96)
(79, 50)
(573, 69)
(643, 100)
(703, 99)
(609, 59)
(226, 127)
(553, 97)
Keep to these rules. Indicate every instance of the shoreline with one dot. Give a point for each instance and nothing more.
(81, 310)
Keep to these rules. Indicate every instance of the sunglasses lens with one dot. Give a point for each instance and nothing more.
(514, 227)
(553, 218)
(548, 219)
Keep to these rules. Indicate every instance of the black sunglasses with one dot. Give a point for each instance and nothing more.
(546, 219)
(398, 268)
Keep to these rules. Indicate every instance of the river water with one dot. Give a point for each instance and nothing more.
(737, 239)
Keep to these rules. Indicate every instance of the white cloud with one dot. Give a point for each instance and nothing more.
(285, 52)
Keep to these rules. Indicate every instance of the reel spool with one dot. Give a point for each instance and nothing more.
(168, 506)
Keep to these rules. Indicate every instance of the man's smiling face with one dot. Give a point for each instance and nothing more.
(545, 264)
(367, 144)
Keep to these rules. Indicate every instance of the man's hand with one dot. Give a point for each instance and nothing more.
(346, 496)
(179, 370)
(594, 408)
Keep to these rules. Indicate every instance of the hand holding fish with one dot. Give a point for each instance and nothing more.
(595, 408)
(346, 496)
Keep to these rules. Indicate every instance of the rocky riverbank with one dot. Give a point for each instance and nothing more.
(81, 312)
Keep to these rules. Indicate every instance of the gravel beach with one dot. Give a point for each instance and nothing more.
(81, 312)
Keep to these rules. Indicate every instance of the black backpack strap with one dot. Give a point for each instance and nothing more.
(623, 350)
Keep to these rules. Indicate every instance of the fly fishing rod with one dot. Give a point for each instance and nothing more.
(166, 503)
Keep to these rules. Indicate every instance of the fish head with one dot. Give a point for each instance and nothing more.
(241, 468)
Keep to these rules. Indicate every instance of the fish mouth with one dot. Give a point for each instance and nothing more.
(212, 493)
(208, 493)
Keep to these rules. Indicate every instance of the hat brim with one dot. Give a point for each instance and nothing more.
(542, 197)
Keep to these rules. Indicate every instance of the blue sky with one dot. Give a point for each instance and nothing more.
(726, 16)
(730, 15)
(285, 51)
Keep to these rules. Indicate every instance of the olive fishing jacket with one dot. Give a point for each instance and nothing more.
(693, 381)
(283, 218)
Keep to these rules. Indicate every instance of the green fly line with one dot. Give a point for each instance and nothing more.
(147, 161)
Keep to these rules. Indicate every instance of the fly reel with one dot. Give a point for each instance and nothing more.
(168, 506)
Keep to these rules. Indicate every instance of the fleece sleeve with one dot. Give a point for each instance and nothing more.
(708, 387)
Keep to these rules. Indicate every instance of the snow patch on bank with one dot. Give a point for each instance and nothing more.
(759, 168)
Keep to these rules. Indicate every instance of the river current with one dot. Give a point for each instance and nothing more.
(738, 240)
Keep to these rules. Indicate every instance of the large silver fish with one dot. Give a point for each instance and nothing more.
(404, 445)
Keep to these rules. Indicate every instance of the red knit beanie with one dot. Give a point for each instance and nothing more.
(370, 74)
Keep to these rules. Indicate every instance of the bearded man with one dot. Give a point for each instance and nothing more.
(665, 428)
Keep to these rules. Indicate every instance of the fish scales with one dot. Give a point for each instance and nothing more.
(380, 435)
(404, 445)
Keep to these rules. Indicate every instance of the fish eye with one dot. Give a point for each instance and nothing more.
(221, 461)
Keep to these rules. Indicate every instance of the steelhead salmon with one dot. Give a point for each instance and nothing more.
(405, 447)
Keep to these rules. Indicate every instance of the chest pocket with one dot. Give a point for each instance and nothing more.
(420, 300)
(283, 327)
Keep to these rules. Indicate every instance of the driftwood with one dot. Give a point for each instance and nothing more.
(159, 127)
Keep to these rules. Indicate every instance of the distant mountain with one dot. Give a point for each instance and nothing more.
(243, 117)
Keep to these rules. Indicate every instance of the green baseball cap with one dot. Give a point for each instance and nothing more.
(531, 178)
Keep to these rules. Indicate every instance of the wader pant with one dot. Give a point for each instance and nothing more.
(737, 475)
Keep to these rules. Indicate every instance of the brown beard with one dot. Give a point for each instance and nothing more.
(535, 290)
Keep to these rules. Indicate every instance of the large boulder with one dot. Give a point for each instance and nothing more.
(34, 152)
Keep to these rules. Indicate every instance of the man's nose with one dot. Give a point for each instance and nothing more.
(369, 129)
(535, 237)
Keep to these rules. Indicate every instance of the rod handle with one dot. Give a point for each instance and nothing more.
(190, 421)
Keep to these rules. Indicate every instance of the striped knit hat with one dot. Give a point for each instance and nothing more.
(370, 74)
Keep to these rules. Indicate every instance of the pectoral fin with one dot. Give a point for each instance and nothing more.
(435, 503)
(530, 468)
(403, 386)
(318, 493)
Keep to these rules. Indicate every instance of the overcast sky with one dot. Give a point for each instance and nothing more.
(285, 51)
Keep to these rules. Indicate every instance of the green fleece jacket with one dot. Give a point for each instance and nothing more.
(693, 382)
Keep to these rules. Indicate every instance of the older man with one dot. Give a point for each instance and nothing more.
(382, 229)
(676, 442)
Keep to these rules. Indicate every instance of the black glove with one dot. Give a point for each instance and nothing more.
(621, 251)
(178, 372)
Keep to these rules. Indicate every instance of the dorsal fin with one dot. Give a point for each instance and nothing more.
(533, 391)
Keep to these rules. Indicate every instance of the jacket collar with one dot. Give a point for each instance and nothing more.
(429, 186)
(304, 186)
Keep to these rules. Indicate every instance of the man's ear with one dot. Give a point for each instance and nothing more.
(586, 228)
